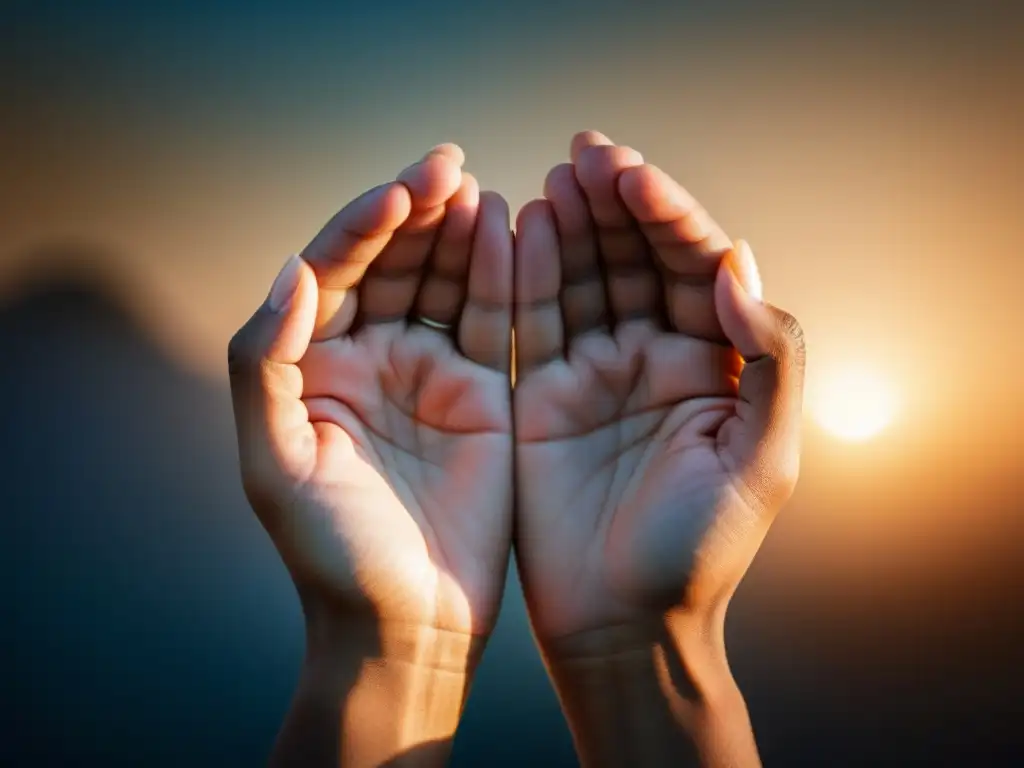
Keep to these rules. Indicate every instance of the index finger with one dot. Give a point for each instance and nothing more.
(344, 249)
(341, 252)
(688, 244)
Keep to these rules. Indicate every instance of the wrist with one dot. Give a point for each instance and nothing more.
(384, 692)
(343, 641)
(652, 690)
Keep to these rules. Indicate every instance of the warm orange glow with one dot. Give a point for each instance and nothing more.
(853, 403)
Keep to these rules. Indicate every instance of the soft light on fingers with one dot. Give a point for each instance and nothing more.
(584, 299)
(687, 243)
(432, 180)
(443, 291)
(630, 273)
(598, 169)
(539, 333)
(585, 139)
(747, 270)
(485, 328)
(393, 281)
(452, 151)
(266, 383)
(744, 316)
(686, 239)
(343, 250)
(765, 441)
(299, 311)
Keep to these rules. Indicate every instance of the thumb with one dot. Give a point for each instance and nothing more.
(765, 437)
(276, 442)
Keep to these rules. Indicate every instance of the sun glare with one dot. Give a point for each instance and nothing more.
(853, 403)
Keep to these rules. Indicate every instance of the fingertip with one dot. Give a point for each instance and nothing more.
(307, 292)
(636, 185)
(539, 334)
(464, 205)
(373, 215)
(537, 249)
(495, 204)
(491, 273)
(492, 241)
(450, 150)
(743, 317)
(560, 180)
(432, 181)
(750, 275)
(585, 139)
(298, 316)
(535, 211)
(603, 164)
(468, 192)
(653, 196)
(485, 325)
(381, 210)
(461, 211)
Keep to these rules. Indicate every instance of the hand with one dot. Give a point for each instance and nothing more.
(646, 470)
(375, 443)
(649, 458)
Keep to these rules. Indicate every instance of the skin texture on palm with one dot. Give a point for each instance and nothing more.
(385, 474)
(376, 450)
(645, 473)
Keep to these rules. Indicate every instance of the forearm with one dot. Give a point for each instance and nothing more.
(652, 694)
(371, 695)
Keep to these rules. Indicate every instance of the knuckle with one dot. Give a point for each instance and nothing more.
(792, 336)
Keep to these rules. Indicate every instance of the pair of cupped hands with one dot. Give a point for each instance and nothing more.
(632, 455)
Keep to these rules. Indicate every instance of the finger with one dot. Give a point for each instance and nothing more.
(277, 444)
(485, 328)
(585, 139)
(687, 244)
(631, 279)
(584, 304)
(452, 151)
(443, 289)
(344, 248)
(765, 438)
(389, 288)
(539, 334)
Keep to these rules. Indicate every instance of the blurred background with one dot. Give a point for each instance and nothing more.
(158, 162)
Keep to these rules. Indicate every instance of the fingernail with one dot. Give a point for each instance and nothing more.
(754, 286)
(744, 267)
(285, 284)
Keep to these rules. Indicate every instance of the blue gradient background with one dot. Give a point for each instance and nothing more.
(157, 161)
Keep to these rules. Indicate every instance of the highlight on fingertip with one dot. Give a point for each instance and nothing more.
(450, 150)
(285, 284)
(584, 139)
(748, 272)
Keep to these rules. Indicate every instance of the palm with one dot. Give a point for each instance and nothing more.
(630, 437)
(603, 482)
(375, 427)
(414, 446)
